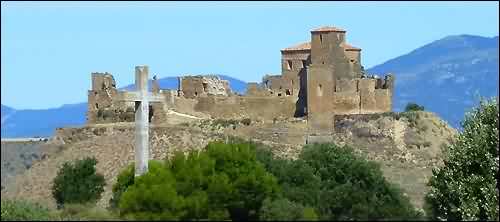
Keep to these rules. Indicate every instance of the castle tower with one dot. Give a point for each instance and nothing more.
(326, 65)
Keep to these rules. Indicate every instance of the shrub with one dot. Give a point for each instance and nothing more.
(78, 182)
(123, 181)
(465, 187)
(24, 210)
(246, 121)
(413, 107)
(85, 212)
(281, 209)
(224, 181)
(354, 188)
(337, 185)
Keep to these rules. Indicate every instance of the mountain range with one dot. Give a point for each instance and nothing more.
(446, 76)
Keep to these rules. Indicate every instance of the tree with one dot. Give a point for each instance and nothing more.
(337, 184)
(223, 181)
(23, 210)
(78, 182)
(465, 187)
(413, 107)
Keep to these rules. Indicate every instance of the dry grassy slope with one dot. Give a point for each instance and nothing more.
(406, 150)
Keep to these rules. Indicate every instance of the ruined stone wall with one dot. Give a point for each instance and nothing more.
(102, 105)
(367, 95)
(320, 85)
(200, 86)
(255, 89)
(255, 107)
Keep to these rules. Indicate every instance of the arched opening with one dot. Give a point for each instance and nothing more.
(288, 93)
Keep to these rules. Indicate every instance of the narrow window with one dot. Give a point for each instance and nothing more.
(195, 93)
(289, 64)
(320, 90)
(205, 86)
(320, 39)
(288, 92)
(96, 106)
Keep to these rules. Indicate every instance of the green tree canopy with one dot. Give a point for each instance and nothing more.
(78, 182)
(338, 184)
(224, 181)
(465, 188)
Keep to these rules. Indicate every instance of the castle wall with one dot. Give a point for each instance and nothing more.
(263, 108)
(346, 103)
(383, 100)
(320, 85)
(367, 95)
(199, 86)
(254, 89)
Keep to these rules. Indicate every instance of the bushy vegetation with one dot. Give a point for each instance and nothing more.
(224, 181)
(338, 185)
(413, 107)
(244, 181)
(88, 211)
(78, 182)
(24, 210)
(466, 188)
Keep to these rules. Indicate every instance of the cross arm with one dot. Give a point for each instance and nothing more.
(136, 96)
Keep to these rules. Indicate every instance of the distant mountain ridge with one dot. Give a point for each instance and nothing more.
(445, 76)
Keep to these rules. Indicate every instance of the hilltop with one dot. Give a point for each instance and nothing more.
(406, 146)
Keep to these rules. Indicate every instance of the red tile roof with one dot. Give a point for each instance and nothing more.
(300, 47)
(348, 47)
(307, 46)
(328, 29)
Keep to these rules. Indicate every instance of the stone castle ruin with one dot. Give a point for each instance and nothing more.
(319, 79)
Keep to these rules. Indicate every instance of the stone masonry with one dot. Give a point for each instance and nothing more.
(319, 79)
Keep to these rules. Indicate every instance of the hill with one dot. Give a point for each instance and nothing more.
(407, 147)
(446, 76)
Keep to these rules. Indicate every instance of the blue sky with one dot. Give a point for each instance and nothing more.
(49, 49)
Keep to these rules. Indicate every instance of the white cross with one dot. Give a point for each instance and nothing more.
(141, 97)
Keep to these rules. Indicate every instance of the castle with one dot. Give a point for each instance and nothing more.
(319, 79)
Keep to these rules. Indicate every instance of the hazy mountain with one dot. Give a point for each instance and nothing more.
(29, 123)
(446, 76)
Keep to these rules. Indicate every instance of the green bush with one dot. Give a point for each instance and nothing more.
(24, 210)
(246, 121)
(224, 181)
(413, 107)
(466, 188)
(123, 181)
(338, 185)
(354, 188)
(86, 211)
(78, 182)
(281, 209)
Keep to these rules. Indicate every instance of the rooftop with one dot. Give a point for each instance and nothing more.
(328, 29)
(348, 47)
(307, 46)
(300, 47)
